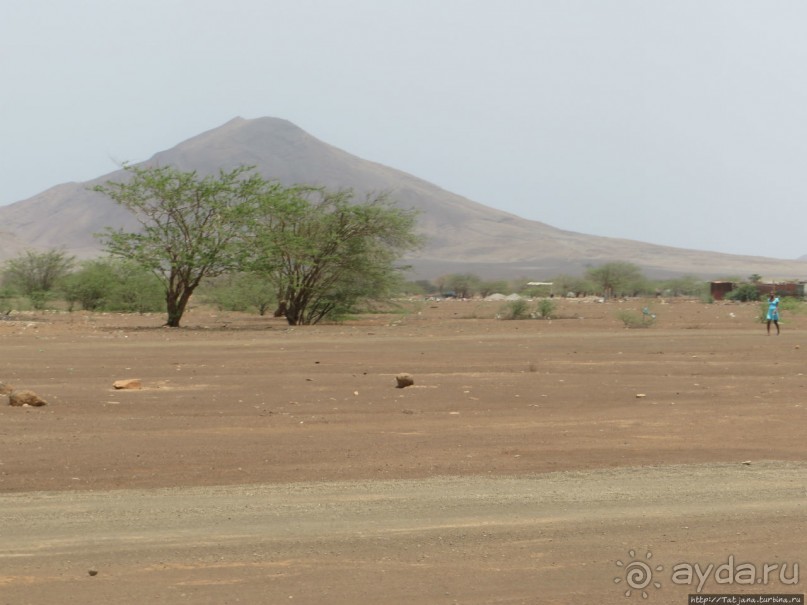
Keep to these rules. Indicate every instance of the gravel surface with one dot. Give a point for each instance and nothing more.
(457, 532)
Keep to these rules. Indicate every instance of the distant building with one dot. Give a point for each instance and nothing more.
(785, 289)
(719, 289)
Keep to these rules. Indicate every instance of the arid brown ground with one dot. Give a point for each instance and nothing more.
(262, 463)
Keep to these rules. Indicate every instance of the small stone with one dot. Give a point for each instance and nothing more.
(92, 572)
(132, 384)
(21, 397)
(747, 462)
(404, 380)
(640, 395)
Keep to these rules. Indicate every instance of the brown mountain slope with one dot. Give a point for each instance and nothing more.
(462, 235)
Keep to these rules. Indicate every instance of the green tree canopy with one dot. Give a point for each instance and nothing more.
(616, 278)
(190, 225)
(464, 285)
(325, 252)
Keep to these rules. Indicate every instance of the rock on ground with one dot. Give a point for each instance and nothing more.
(404, 380)
(129, 383)
(21, 397)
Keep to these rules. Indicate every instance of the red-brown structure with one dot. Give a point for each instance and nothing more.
(719, 289)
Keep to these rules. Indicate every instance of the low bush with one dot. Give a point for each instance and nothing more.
(744, 293)
(632, 319)
(546, 307)
(515, 309)
(789, 303)
(113, 285)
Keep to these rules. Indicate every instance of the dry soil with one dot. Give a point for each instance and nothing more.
(568, 460)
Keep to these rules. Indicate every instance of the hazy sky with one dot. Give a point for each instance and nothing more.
(680, 122)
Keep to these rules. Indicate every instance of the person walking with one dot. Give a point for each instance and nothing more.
(773, 312)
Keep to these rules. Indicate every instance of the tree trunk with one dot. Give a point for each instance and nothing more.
(291, 316)
(175, 303)
(281, 309)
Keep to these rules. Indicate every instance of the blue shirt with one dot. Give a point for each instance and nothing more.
(773, 308)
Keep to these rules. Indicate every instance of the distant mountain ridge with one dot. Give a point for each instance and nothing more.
(462, 235)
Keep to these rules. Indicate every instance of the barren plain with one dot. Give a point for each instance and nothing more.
(568, 460)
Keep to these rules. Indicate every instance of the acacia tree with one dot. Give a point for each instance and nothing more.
(616, 277)
(563, 284)
(324, 252)
(190, 225)
(464, 285)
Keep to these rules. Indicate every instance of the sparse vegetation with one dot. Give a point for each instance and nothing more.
(515, 309)
(8, 300)
(111, 284)
(462, 285)
(521, 309)
(240, 292)
(562, 285)
(790, 304)
(546, 307)
(617, 278)
(686, 285)
(36, 275)
(486, 288)
(636, 319)
(744, 293)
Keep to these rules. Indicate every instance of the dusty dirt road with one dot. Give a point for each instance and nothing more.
(262, 464)
(552, 538)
